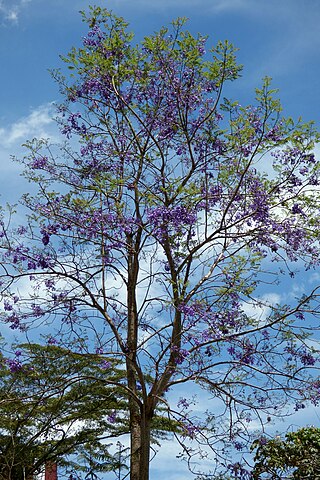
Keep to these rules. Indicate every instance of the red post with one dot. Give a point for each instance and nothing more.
(51, 471)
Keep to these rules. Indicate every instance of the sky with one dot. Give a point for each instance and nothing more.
(278, 38)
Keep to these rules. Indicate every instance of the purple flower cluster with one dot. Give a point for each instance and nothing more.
(73, 125)
(49, 230)
(244, 353)
(180, 354)
(15, 321)
(299, 406)
(39, 162)
(301, 354)
(212, 323)
(31, 259)
(15, 364)
(314, 392)
(112, 417)
(105, 365)
(189, 429)
(211, 196)
(171, 221)
(94, 37)
(183, 403)
(52, 341)
(239, 472)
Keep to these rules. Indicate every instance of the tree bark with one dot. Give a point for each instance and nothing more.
(140, 445)
(140, 414)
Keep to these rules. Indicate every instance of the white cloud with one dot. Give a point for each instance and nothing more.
(259, 309)
(37, 124)
(12, 16)
(10, 11)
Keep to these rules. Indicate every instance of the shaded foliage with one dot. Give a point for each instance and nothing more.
(54, 403)
(297, 456)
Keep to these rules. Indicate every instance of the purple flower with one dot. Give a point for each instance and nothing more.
(37, 310)
(181, 354)
(238, 446)
(183, 403)
(21, 230)
(105, 365)
(45, 239)
(190, 430)
(7, 306)
(49, 283)
(14, 365)
(297, 209)
(171, 221)
(112, 417)
(14, 321)
(307, 359)
(39, 163)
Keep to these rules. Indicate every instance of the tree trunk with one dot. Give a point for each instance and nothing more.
(141, 411)
(140, 445)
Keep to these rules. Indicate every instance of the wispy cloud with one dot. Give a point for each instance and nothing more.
(221, 6)
(216, 6)
(37, 124)
(259, 309)
(10, 10)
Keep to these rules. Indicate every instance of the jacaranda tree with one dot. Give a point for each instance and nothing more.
(157, 226)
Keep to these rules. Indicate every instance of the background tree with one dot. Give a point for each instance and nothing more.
(296, 457)
(54, 405)
(152, 242)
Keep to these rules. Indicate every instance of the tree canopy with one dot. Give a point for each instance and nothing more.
(158, 225)
(295, 457)
(53, 405)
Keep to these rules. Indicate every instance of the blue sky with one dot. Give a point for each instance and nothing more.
(278, 38)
